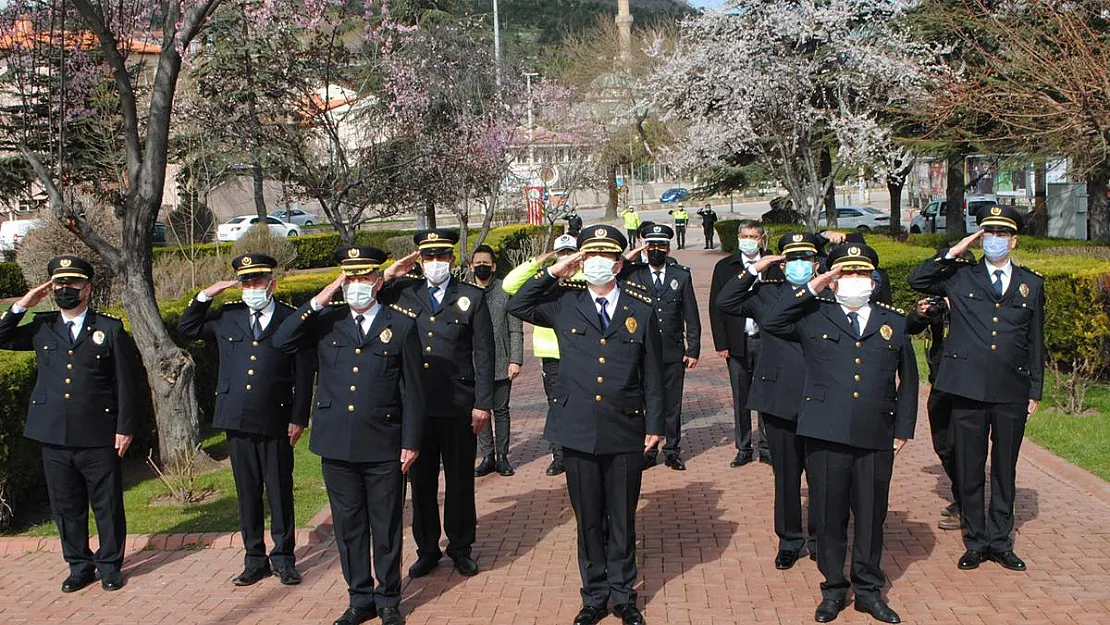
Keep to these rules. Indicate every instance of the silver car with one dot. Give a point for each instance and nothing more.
(295, 216)
(858, 217)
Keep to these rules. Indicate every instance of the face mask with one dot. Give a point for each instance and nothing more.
(598, 270)
(437, 271)
(748, 247)
(853, 292)
(799, 271)
(359, 294)
(656, 257)
(995, 248)
(67, 297)
(256, 299)
(483, 272)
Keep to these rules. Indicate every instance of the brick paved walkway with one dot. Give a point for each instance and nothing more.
(706, 552)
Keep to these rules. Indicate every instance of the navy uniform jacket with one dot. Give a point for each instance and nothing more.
(994, 351)
(609, 392)
(676, 308)
(261, 389)
(369, 395)
(728, 329)
(86, 393)
(850, 396)
(457, 343)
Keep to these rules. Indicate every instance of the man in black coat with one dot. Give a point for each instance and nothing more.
(672, 288)
(263, 396)
(993, 366)
(737, 339)
(84, 409)
(606, 410)
(456, 332)
(708, 220)
(367, 424)
(859, 408)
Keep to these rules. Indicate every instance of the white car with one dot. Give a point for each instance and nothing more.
(858, 217)
(295, 216)
(932, 218)
(236, 227)
(12, 231)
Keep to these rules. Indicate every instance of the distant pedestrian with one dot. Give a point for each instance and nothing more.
(708, 220)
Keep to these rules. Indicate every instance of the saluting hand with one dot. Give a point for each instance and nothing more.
(834, 237)
(821, 282)
(408, 456)
(35, 295)
(401, 267)
(568, 265)
(219, 287)
(634, 253)
(958, 249)
(324, 296)
(766, 261)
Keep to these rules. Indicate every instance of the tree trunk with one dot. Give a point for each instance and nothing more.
(487, 222)
(1098, 213)
(1040, 199)
(894, 186)
(954, 212)
(828, 202)
(614, 193)
(255, 124)
(429, 212)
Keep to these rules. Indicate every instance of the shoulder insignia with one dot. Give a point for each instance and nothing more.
(822, 298)
(404, 311)
(636, 285)
(104, 314)
(634, 294)
(889, 307)
(772, 281)
(234, 302)
(1032, 271)
(572, 284)
(286, 304)
(337, 302)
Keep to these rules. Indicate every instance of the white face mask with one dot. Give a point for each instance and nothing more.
(359, 294)
(437, 271)
(598, 270)
(748, 247)
(256, 299)
(853, 292)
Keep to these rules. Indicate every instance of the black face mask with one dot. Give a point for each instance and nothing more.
(656, 258)
(483, 272)
(67, 297)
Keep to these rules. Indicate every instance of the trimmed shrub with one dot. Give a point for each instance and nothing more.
(21, 476)
(12, 283)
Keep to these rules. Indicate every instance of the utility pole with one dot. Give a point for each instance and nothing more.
(528, 76)
(497, 44)
(624, 26)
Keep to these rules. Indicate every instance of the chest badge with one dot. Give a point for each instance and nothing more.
(886, 331)
(464, 303)
(674, 285)
(386, 335)
(631, 325)
(1024, 289)
(98, 337)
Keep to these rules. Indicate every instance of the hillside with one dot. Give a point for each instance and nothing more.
(544, 22)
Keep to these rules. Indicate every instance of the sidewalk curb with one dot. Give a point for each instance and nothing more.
(318, 530)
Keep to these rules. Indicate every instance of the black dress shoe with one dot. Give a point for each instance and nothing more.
(828, 610)
(675, 463)
(1008, 559)
(252, 576)
(354, 616)
(879, 610)
(952, 509)
(629, 614)
(423, 565)
(785, 559)
(466, 566)
(740, 460)
(73, 583)
(503, 466)
(649, 461)
(590, 615)
(392, 616)
(111, 581)
(970, 560)
(556, 467)
(289, 576)
(765, 459)
(485, 467)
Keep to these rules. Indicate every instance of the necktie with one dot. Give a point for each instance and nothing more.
(256, 325)
(358, 327)
(853, 317)
(997, 283)
(603, 314)
(658, 281)
(69, 333)
(432, 290)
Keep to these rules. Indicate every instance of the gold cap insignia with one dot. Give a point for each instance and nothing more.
(886, 331)
(98, 337)
(246, 261)
(65, 262)
(600, 232)
(996, 211)
(853, 251)
(353, 252)
(464, 303)
(1024, 289)
(798, 238)
(386, 335)
(630, 325)
(432, 236)
(657, 229)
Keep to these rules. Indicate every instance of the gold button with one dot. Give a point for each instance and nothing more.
(358, 350)
(354, 369)
(995, 319)
(432, 319)
(248, 387)
(597, 397)
(427, 366)
(994, 348)
(350, 408)
(601, 359)
(69, 366)
(855, 394)
(574, 330)
(353, 389)
(858, 344)
(857, 377)
(67, 381)
(107, 410)
(430, 335)
(253, 357)
(859, 361)
(428, 348)
(67, 395)
(385, 353)
(255, 343)
(602, 341)
(998, 305)
(824, 336)
(994, 332)
(600, 380)
(250, 371)
(70, 352)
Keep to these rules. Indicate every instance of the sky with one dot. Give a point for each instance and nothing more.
(700, 3)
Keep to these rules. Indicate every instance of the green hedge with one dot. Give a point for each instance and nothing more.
(20, 460)
(12, 283)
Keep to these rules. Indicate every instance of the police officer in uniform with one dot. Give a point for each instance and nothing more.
(681, 219)
(993, 366)
(84, 409)
(672, 288)
(607, 409)
(367, 424)
(777, 384)
(263, 398)
(457, 336)
(708, 220)
(855, 416)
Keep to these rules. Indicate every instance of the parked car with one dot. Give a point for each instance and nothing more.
(159, 233)
(858, 217)
(932, 218)
(236, 227)
(11, 232)
(295, 216)
(675, 194)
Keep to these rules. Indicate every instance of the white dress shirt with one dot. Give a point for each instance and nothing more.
(864, 314)
(263, 320)
(440, 292)
(750, 326)
(662, 272)
(78, 322)
(367, 317)
(1007, 273)
(610, 301)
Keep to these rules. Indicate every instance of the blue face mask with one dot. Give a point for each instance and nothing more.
(799, 271)
(995, 248)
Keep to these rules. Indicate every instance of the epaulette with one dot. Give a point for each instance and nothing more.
(47, 312)
(822, 298)
(773, 281)
(414, 276)
(889, 307)
(573, 284)
(636, 285)
(634, 294)
(286, 304)
(404, 311)
(337, 302)
(104, 314)
(234, 302)
(1032, 271)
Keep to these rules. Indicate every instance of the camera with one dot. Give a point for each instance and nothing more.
(937, 306)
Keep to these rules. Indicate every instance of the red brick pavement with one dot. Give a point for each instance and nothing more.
(706, 547)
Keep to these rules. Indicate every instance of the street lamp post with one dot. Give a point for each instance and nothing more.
(497, 44)
(528, 76)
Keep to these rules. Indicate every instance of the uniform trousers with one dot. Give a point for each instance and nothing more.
(680, 235)
(708, 232)
(495, 436)
(939, 406)
(259, 461)
(788, 461)
(452, 441)
(550, 372)
(367, 501)
(604, 490)
(674, 376)
(77, 477)
(843, 480)
(974, 423)
(740, 371)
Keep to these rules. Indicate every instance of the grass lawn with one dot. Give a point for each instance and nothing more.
(220, 513)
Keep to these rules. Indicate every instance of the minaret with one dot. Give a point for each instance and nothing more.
(624, 26)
